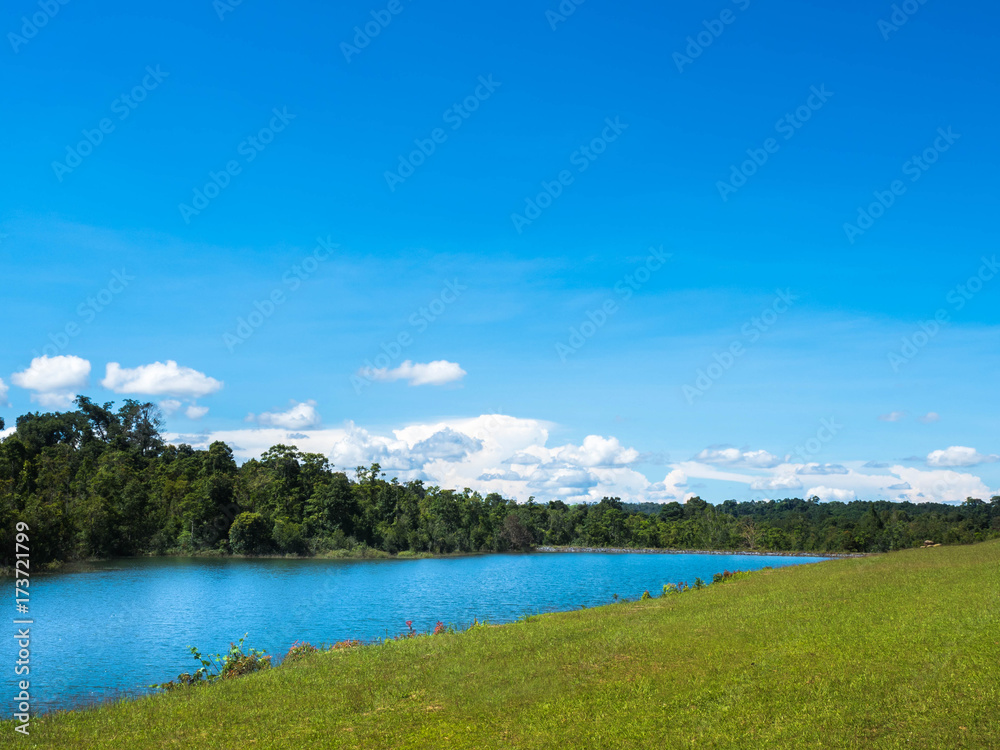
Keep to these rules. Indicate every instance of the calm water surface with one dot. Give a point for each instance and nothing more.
(109, 629)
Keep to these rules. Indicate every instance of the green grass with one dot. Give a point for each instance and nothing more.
(891, 651)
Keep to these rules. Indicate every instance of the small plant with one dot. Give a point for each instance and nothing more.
(670, 588)
(440, 628)
(297, 651)
(235, 663)
(344, 644)
(645, 595)
(698, 583)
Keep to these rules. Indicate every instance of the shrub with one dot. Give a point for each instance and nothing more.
(645, 595)
(698, 583)
(235, 663)
(288, 538)
(344, 644)
(297, 651)
(249, 534)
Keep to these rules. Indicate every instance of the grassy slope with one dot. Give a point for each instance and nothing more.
(899, 650)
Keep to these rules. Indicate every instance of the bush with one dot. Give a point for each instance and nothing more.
(288, 538)
(297, 651)
(645, 595)
(235, 663)
(249, 535)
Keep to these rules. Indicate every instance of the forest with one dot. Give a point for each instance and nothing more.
(100, 482)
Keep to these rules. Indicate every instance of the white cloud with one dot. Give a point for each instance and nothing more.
(159, 379)
(3, 392)
(598, 451)
(941, 485)
(893, 416)
(196, 412)
(54, 380)
(781, 482)
(475, 452)
(513, 456)
(930, 417)
(821, 469)
(760, 459)
(438, 372)
(170, 405)
(832, 494)
(958, 455)
(300, 415)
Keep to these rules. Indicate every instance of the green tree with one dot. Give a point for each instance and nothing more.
(249, 534)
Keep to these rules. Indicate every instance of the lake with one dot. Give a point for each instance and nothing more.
(112, 628)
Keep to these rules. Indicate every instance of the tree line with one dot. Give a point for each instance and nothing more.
(100, 482)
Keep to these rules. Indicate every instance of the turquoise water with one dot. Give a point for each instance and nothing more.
(109, 629)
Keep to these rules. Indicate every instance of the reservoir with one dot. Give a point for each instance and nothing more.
(110, 629)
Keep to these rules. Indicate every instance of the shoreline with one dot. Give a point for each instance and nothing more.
(656, 551)
(373, 555)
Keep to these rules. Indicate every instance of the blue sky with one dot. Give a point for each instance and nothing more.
(707, 196)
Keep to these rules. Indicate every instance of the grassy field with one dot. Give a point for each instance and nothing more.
(891, 651)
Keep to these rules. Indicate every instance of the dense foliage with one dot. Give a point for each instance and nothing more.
(99, 482)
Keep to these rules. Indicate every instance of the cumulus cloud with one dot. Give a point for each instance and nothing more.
(515, 457)
(54, 381)
(301, 415)
(930, 417)
(170, 405)
(3, 392)
(598, 451)
(439, 372)
(941, 485)
(780, 482)
(832, 494)
(159, 379)
(446, 445)
(195, 412)
(893, 416)
(728, 456)
(958, 455)
(473, 453)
